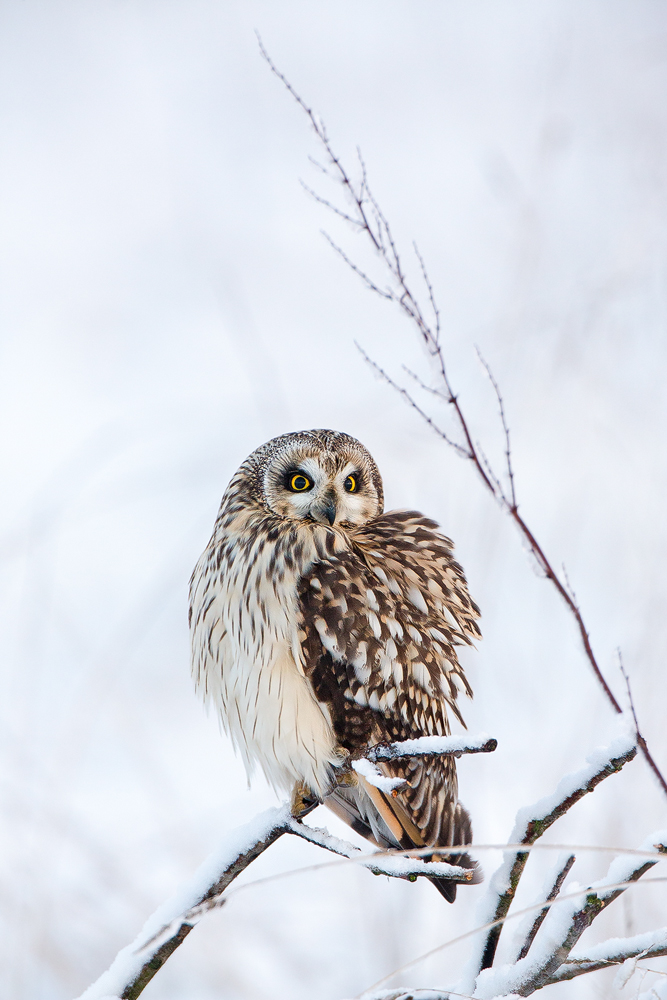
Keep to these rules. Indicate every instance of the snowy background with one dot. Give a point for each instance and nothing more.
(168, 304)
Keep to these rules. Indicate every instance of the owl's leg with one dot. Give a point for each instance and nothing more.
(303, 800)
(343, 772)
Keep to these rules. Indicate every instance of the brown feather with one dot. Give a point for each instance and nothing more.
(380, 623)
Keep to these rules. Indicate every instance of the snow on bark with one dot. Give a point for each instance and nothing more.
(168, 917)
(380, 862)
(373, 776)
(531, 822)
(432, 746)
(617, 949)
(566, 921)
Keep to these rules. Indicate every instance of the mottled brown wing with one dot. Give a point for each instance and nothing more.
(380, 624)
(391, 611)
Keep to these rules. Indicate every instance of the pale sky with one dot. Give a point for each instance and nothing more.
(168, 304)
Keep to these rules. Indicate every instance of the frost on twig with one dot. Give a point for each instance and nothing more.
(531, 823)
(431, 746)
(382, 863)
(615, 951)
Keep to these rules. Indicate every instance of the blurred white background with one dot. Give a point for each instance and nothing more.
(168, 304)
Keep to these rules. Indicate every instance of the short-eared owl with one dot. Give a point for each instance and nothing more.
(321, 625)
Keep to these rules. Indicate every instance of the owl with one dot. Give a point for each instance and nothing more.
(321, 626)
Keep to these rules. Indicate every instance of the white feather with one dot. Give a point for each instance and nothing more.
(247, 663)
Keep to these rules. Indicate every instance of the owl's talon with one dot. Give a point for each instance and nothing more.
(303, 800)
(347, 778)
(343, 772)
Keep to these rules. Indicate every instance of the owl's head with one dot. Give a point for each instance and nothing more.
(321, 475)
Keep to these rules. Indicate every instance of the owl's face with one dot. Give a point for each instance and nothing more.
(322, 476)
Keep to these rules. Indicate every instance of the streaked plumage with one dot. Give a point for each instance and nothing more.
(321, 625)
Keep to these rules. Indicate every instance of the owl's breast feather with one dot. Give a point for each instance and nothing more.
(246, 656)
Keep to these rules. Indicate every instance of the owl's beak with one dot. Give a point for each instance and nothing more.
(326, 510)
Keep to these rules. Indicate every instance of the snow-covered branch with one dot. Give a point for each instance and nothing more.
(167, 928)
(431, 746)
(162, 934)
(531, 822)
(561, 873)
(615, 951)
(381, 863)
(566, 921)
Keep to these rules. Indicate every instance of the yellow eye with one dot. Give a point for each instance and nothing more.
(299, 483)
(350, 484)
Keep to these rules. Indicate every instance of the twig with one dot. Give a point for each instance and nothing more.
(411, 402)
(429, 286)
(357, 270)
(327, 204)
(640, 739)
(602, 956)
(420, 382)
(508, 451)
(561, 875)
(384, 863)
(431, 746)
(532, 822)
(379, 233)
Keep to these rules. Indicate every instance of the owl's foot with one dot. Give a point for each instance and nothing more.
(343, 774)
(303, 800)
(347, 778)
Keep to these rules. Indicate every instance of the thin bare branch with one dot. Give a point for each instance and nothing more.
(357, 270)
(411, 402)
(433, 390)
(320, 131)
(499, 491)
(506, 430)
(561, 875)
(320, 166)
(640, 739)
(332, 208)
(408, 303)
(429, 286)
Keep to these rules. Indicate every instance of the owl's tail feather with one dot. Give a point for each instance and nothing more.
(461, 834)
(384, 822)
